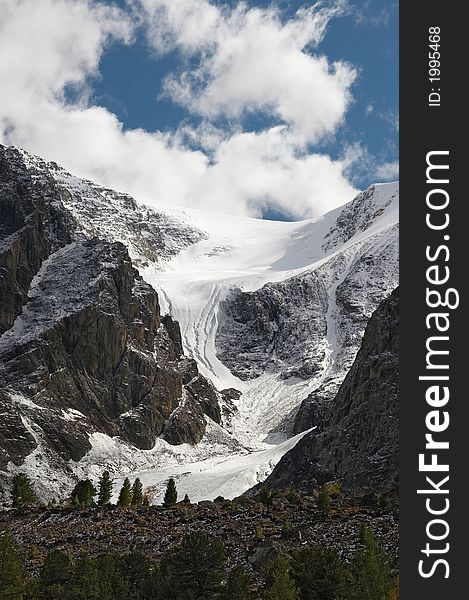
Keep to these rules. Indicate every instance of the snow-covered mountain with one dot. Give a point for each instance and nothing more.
(271, 312)
(278, 310)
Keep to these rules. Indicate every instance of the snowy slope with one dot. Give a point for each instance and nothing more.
(205, 266)
(245, 254)
(220, 476)
(236, 255)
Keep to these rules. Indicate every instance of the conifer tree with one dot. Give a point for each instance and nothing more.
(324, 501)
(137, 493)
(83, 493)
(280, 585)
(111, 578)
(137, 571)
(125, 495)
(267, 497)
(238, 585)
(105, 489)
(86, 581)
(55, 575)
(371, 578)
(22, 492)
(186, 499)
(320, 574)
(193, 570)
(171, 495)
(12, 574)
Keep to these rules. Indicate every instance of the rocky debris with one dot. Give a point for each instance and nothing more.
(294, 523)
(359, 445)
(84, 347)
(263, 554)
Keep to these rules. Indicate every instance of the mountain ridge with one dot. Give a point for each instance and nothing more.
(202, 267)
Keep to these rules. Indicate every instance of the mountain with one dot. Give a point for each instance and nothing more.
(358, 444)
(84, 348)
(96, 373)
(278, 310)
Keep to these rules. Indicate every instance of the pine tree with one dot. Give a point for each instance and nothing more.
(83, 493)
(324, 501)
(393, 593)
(267, 497)
(125, 495)
(371, 578)
(111, 578)
(105, 489)
(238, 585)
(12, 574)
(22, 493)
(320, 574)
(193, 570)
(86, 580)
(280, 585)
(55, 575)
(171, 495)
(137, 493)
(137, 571)
(186, 499)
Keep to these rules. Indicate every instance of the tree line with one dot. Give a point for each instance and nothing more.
(85, 494)
(197, 569)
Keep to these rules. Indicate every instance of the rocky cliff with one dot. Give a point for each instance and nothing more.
(306, 329)
(358, 441)
(83, 346)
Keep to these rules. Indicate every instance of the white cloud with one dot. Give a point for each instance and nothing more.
(358, 164)
(250, 60)
(55, 44)
(257, 170)
(388, 171)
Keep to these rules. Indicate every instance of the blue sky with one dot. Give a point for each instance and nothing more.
(130, 84)
(276, 109)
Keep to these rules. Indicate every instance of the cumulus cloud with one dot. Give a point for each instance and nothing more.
(250, 60)
(56, 45)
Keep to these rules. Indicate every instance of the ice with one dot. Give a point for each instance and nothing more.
(226, 476)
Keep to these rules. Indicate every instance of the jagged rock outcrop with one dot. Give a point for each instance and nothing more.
(151, 236)
(314, 411)
(84, 347)
(32, 225)
(267, 329)
(359, 445)
(310, 325)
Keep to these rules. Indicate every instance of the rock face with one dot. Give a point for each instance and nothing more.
(359, 443)
(32, 225)
(310, 325)
(150, 236)
(83, 346)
